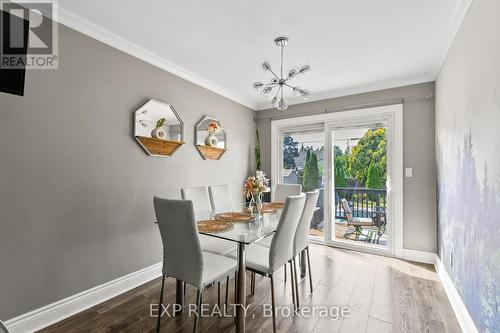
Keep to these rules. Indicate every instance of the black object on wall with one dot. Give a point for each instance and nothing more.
(12, 79)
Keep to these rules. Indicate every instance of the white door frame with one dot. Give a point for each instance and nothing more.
(393, 116)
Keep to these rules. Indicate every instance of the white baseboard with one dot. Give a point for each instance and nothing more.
(461, 312)
(57, 311)
(420, 256)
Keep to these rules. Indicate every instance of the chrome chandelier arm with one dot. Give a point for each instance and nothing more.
(276, 76)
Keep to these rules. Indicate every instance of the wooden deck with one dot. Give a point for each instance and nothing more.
(384, 294)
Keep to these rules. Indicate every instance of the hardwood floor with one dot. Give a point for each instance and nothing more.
(383, 294)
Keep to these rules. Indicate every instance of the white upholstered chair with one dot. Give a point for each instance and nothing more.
(220, 198)
(301, 238)
(183, 258)
(266, 261)
(202, 211)
(282, 191)
(3, 328)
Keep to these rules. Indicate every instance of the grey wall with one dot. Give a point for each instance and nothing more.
(76, 189)
(468, 159)
(418, 127)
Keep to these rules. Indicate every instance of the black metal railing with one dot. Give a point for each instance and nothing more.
(363, 201)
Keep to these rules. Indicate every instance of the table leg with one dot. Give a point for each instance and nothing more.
(302, 264)
(242, 289)
(179, 296)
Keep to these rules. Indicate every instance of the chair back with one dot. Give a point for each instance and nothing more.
(283, 191)
(301, 240)
(201, 201)
(220, 199)
(281, 250)
(3, 328)
(182, 256)
(347, 210)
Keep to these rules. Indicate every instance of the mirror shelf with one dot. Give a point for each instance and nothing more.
(158, 128)
(210, 138)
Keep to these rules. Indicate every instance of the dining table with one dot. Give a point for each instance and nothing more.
(243, 234)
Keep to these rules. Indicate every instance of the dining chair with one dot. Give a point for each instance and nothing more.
(266, 261)
(282, 191)
(183, 257)
(3, 328)
(301, 238)
(220, 198)
(203, 210)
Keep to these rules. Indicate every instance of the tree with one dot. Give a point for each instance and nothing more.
(340, 165)
(370, 148)
(290, 152)
(311, 172)
(375, 176)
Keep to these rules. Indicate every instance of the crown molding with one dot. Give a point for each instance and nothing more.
(97, 32)
(370, 87)
(450, 33)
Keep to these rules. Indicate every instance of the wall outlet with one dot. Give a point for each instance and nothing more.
(409, 172)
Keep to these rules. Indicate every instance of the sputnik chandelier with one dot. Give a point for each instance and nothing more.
(280, 82)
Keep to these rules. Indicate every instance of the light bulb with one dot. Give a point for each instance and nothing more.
(304, 69)
(266, 91)
(274, 80)
(266, 65)
(274, 101)
(282, 105)
(304, 92)
(296, 91)
(258, 85)
(292, 73)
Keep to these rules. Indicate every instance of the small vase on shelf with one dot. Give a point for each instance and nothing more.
(211, 140)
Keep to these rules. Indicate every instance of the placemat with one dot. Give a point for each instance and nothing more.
(235, 217)
(214, 226)
(273, 205)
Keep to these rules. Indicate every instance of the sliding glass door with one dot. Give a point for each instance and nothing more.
(354, 159)
(302, 162)
(358, 185)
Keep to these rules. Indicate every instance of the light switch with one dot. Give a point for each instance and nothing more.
(409, 172)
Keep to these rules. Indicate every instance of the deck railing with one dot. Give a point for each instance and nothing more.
(363, 201)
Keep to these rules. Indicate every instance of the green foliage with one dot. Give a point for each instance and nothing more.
(376, 176)
(160, 123)
(371, 148)
(340, 172)
(311, 172)
(290, 152)
(258, 161)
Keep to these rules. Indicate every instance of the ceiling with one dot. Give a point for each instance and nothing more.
(353, 46)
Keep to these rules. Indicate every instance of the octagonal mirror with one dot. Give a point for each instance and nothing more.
(211, 138)
(158, 128)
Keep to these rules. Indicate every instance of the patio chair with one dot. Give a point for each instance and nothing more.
(357, 223)
(379, 220)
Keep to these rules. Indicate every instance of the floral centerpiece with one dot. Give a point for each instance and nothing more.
(212, 128)
(254, 187)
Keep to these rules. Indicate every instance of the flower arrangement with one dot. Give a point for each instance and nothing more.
(257, 184)
(213, 127)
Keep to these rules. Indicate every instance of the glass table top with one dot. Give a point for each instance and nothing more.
(250, 232)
